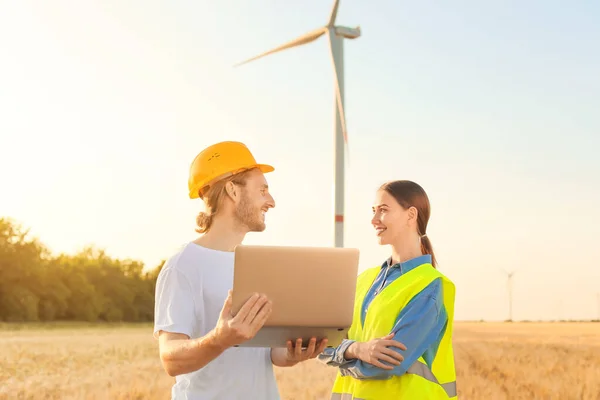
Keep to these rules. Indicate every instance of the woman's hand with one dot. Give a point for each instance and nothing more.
(377, 350)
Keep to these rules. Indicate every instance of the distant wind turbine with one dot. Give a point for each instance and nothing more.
(510, 293)
(598, 295)
(336, 35)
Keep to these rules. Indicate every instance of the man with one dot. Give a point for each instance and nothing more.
(193, 321)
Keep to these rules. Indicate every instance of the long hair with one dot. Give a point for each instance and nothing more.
(409, 194)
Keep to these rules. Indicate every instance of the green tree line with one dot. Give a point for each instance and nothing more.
(36, 285)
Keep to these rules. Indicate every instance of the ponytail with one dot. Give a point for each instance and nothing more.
(427, 248)
(203, 221)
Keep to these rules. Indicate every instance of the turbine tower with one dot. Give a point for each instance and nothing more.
(510, 293)
(598, 295)
(336, 35)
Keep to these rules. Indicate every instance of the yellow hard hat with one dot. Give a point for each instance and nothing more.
(219, 161)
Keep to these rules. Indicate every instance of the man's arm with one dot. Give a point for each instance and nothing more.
(176, 318)
(279, 357)
(181, 355)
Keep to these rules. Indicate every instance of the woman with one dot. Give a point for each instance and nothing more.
(400, 342)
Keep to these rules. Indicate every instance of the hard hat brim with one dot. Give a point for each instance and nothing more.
(264, 168)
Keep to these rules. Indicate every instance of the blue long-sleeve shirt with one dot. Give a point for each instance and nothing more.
(419, 326)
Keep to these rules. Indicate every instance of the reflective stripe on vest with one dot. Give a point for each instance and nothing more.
(418, 368)
(343, 396)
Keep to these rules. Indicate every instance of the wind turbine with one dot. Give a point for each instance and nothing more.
(510, 292)
(598, 295)
(336, 35)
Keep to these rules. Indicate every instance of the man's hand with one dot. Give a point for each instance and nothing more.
(377, 350)
(231, 331)
(294, 353)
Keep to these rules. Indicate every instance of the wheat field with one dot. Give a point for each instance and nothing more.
(494, 361)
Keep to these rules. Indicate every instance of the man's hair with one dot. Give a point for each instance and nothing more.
(213, 196)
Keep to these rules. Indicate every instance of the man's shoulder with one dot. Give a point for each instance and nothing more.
(191, 257)
(176, 259)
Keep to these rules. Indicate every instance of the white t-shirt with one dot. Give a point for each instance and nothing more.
(190, 292)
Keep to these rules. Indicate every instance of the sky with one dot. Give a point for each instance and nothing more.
(492, 107)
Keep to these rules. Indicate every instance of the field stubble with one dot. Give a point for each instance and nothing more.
(494, 361)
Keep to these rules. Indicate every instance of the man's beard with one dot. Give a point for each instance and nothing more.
(249, 216)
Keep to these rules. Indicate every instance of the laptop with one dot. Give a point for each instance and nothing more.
(312, 290)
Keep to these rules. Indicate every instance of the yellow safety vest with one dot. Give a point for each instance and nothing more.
(420, 382)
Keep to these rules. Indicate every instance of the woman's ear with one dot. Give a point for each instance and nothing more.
(413, 214)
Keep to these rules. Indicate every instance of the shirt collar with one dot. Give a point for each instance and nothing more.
(408, 264)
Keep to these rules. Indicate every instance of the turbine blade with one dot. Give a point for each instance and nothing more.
(306, 38)
(333, 14)
(338, 92)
